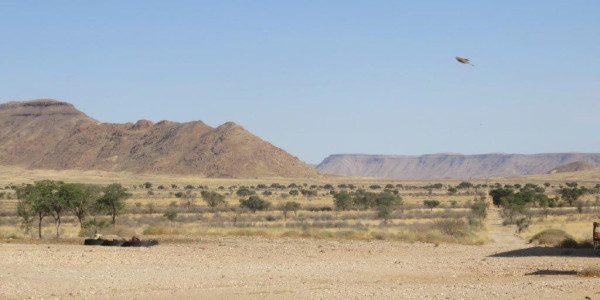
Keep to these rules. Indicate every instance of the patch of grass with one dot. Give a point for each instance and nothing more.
(155, 230)
(452, 227)
(248, 232)
(589, 272)
(550, 237)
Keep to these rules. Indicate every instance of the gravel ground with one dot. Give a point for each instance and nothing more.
(240, 268)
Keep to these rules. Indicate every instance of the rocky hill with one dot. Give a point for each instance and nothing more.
(575, 166)
(450, 165)
(54, 135)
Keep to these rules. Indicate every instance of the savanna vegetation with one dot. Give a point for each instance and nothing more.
(436, 212)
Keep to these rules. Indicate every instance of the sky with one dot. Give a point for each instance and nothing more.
(322, 77)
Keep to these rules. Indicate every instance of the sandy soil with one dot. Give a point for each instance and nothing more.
(239, 268)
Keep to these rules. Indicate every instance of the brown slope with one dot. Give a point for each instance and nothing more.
(573, 167)
(55, 135)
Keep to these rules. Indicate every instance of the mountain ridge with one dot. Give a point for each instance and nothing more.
(449, 165)
(50, 134)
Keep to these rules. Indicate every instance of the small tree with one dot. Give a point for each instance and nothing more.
(254, 203)
(40, 195)
(431, 204)
(294, 192)
(58, 202)
(213, 199)
(571, 194)
(244, 191)
(74, 199)
(290, 206)
(342, 200)
(384, 212)
(364, 200)
(113, 200)
(147, 185)
(25, 212)
(189, 199)
(386, 203)
(170, 215)
(464, 185)
(499, 193)
(479, 211)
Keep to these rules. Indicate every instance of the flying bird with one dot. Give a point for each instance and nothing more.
(463, 60)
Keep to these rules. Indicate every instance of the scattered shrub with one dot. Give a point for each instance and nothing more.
(244, 191)
(254, 203)
(452, 227)
(431, 204)
(589, 272)
(550, 237)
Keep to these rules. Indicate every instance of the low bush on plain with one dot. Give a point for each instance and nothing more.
(589, 272)
(550, 237)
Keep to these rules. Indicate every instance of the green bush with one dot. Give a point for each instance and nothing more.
(431, 204)
(254, 203)
(569, 243)
(244, 191)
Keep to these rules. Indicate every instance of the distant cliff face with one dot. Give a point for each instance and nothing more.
(450, 165)
(54, 135)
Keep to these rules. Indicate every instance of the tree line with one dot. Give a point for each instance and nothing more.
(48, 198)
(384, 202)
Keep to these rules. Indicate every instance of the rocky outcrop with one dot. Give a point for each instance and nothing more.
(51, 134)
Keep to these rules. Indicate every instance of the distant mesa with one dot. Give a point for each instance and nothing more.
(50, 134)
(450, 165)
(573, 167)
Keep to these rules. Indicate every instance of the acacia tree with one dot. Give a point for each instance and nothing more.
(571, 194)
(342, 200)
(86, 204)
(213, 199)
(40, 195)
(431, 204)
(254, 203)
(170, 215)
(113, 200)
(499, 193)
(57, 203)
(290, 206)
(25, 206)
(188, 199)
(75, 199)
(386, 203)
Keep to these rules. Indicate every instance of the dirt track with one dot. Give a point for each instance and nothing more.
(227, 268)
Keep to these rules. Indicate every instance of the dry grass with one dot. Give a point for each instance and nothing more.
(579, 226)
(592, 271)
(414, 223)
(550, 237)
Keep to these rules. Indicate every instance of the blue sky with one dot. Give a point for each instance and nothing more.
(322, 77)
